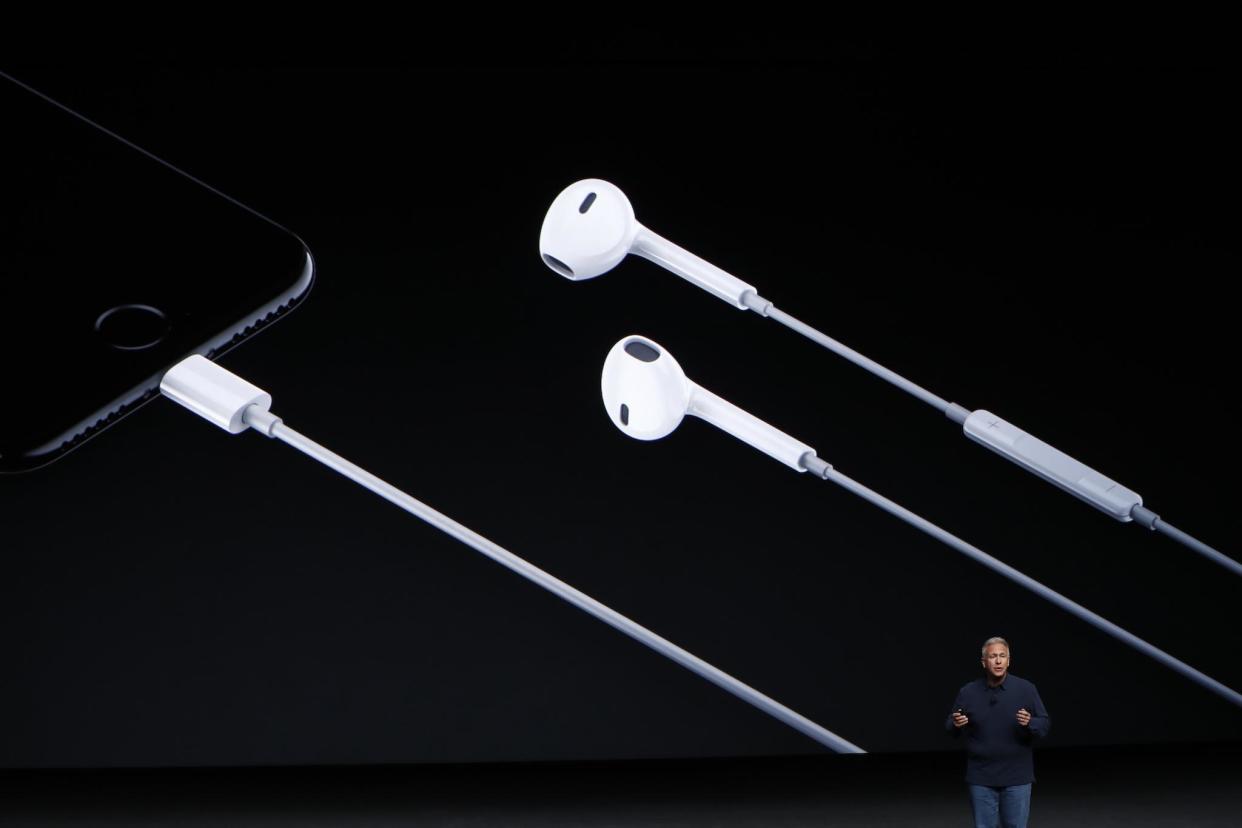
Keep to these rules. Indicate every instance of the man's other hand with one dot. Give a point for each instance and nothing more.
(961, 721)
(1024, 717)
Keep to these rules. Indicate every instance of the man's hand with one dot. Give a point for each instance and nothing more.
(1024, 717)
(961, 721)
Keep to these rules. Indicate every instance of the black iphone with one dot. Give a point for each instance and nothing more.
(114, 265)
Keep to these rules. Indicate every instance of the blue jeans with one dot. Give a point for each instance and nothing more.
(1001, 807)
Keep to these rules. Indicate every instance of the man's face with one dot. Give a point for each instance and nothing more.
(996, 661)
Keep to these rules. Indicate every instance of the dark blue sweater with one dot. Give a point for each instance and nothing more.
(998, 749)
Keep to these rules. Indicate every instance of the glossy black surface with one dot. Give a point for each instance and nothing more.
(93, 227)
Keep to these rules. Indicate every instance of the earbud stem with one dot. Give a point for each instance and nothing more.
(690, 267)
(747, 427)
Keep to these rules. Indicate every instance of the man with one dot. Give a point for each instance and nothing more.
(1001, 715)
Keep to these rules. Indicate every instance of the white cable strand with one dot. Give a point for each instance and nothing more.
(956, 413)
(819, 467)
(268, 424)
(771, 311)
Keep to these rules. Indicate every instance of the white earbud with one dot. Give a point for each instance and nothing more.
(590, 228)
(647, 394)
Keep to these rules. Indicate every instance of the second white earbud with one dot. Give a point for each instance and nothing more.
(646, 395)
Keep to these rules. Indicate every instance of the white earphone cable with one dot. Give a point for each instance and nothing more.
(959, 415)
(266, 423)
(818, 467)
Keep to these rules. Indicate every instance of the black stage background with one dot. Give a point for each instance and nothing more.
(1168, 786)
(1041, 233)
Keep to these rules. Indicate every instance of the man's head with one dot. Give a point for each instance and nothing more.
(995, 659)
